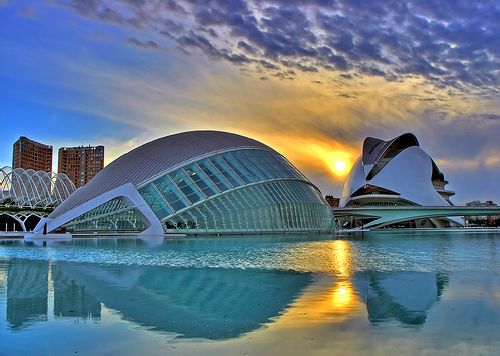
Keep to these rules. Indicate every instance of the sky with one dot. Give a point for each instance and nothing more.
(311, 79)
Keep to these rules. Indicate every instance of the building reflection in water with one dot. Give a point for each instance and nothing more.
(215, 303)
(194, 302)
(72, 299)
(27, 285)
(404, 296)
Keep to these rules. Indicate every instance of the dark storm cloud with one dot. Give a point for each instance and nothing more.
(450, 43)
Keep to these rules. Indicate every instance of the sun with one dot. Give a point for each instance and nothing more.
(340, 166)
(339, 163)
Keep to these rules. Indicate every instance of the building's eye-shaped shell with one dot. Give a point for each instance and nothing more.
(200, 181)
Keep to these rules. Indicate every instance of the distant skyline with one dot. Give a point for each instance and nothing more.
(311, 78)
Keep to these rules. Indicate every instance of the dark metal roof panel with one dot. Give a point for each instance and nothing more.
(374, 148)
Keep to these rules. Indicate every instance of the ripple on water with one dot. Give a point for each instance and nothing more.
(376, 252)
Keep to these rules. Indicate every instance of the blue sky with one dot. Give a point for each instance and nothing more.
(309, 78)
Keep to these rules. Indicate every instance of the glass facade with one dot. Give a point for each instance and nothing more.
(244, 190)
(271, 206)
(112, 216)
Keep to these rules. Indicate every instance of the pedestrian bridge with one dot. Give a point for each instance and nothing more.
(385, 216)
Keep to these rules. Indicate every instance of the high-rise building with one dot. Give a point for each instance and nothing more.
(29, 154)
(81, 163)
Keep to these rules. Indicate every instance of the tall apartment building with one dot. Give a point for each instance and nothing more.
(80, 164)
(29, 154)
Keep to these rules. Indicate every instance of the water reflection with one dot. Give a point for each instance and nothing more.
(194, 303)
(403, 296)
(381, 293)
(342, 294)
(342, 262)
(27, 285)
(72, 299)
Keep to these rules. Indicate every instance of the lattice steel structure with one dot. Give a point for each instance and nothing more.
(197, 182)
(27, 188)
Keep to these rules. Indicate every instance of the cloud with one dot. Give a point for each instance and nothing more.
(493, 160)
(450, 44)
(143, 44)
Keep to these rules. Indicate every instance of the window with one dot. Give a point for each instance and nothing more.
(170, 193)
(191, 192)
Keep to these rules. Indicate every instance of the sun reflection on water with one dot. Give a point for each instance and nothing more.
(332, 298)
(341, 258)
(342, 296)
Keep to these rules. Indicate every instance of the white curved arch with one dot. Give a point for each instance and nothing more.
(19, 186)
(62, 188)
(5, 183)
(127, 193)
(67, 185)
(35, 196)
(355, 180)
(28, 188)
(40, 187)
(22, 217)
(56, 195)
(45, 178)
(15, 217)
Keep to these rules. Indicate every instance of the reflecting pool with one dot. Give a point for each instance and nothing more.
(381, 293)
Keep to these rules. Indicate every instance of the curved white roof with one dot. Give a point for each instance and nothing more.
(398, 165)
(374, 148)
(155, 157)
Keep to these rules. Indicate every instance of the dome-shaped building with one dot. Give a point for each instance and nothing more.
(195, 182)
(396, 173)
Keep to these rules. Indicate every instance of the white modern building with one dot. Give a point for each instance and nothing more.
(195, 182)
(397, 173)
